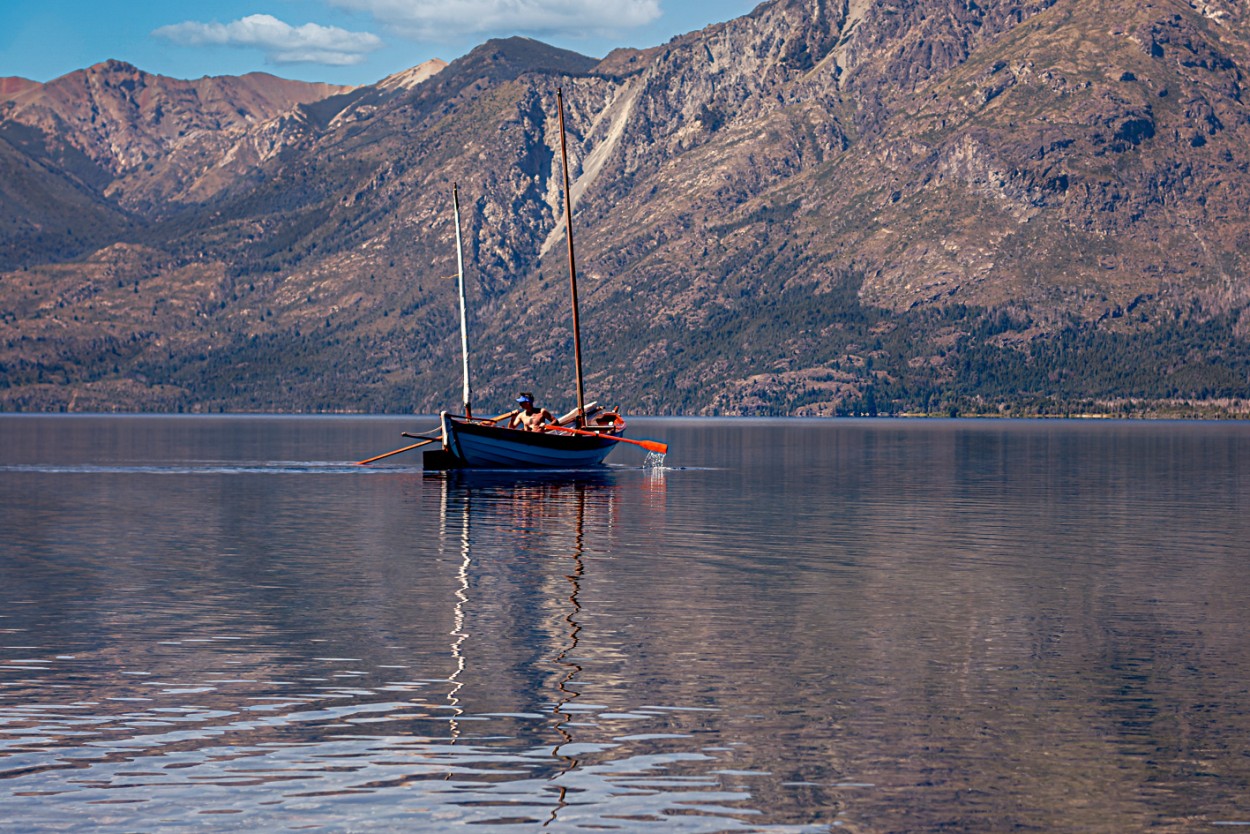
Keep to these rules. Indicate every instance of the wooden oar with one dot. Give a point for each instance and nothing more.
(396, 452)
(649, 445)
(425, 440)
(507, 416)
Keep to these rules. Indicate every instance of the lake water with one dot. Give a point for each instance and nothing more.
(795, 626)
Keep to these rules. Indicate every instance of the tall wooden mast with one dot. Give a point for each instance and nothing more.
(568, 229)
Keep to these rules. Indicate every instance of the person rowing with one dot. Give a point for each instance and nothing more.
(529, 417)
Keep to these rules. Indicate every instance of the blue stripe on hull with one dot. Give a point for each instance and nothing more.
(489, 447)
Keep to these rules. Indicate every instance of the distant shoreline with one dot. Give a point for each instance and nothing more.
(1160, 415)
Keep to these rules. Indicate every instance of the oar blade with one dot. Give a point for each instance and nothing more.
(650, 445)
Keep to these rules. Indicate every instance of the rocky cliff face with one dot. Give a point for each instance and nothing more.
(153, 139)
(1106, 160)
(820, 207)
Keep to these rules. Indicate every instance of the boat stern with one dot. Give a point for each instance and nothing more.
(442, 459)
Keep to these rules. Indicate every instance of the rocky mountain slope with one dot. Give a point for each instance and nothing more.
(111, 148)
(907, 206)
(153, 139)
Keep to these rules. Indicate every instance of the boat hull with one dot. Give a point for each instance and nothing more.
(483, 446)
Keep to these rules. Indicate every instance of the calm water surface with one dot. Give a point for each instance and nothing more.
(878, 626)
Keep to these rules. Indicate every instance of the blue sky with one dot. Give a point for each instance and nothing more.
(339, 41)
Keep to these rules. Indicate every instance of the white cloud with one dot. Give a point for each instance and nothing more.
(281, 42)
(435, 19)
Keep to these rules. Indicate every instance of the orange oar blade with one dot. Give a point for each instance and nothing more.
(651, 446)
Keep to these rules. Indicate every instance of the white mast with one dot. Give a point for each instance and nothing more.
(464, 322)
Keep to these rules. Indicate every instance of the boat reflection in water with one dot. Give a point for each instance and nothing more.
(534, 647)
(532, 502)
(548, 515)
(480, 667)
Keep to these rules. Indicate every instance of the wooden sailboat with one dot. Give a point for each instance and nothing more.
(582, 438)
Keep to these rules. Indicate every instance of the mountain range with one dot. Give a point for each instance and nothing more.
(820, 208)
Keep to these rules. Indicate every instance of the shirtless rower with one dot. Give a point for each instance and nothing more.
(529, 418)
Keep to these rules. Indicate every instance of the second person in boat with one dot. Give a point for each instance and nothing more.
(529, 417)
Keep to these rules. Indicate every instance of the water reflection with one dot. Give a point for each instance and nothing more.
(461, 678)
(525, 544)
(889, 626)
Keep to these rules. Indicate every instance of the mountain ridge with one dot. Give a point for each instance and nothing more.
(817, 208)
(150, 137)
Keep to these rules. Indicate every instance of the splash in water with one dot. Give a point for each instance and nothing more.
(654, 460)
